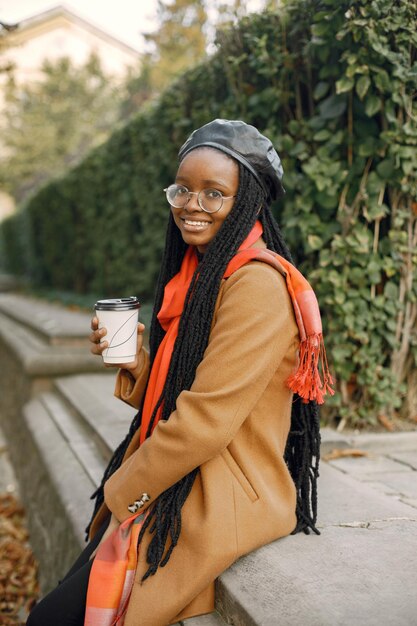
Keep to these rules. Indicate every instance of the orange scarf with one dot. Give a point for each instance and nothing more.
(312, 379)
(113, 570)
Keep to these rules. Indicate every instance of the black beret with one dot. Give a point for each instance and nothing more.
(244, 143)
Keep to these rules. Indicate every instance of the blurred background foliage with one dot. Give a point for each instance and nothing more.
(333, 84)
(52, 123)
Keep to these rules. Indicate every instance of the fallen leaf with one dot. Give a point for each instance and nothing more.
(18, 570)
(386, 422)
(338, 453)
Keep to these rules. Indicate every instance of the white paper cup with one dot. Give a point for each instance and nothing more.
(119, 316)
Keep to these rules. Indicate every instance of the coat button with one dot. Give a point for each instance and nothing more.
(145, 497)
(132, 508)
(139, 504)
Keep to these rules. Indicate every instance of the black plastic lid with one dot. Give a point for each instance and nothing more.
(117, 304)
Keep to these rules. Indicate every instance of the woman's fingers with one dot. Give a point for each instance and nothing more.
(94, 323)
(95, 337)
(97, 348)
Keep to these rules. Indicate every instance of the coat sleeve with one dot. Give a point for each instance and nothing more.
(129, 390)
(253, 330)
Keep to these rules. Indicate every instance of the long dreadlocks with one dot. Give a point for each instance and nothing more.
(302, 450)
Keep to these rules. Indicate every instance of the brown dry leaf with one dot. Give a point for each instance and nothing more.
(9, 506)
(18, 569)
(7, 529)
(386, 422)
(338, 453)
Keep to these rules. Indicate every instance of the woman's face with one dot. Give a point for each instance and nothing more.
(205, 168)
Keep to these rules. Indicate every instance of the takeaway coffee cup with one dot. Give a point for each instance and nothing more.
(119, 316)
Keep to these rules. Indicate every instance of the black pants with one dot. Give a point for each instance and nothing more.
(65, 605)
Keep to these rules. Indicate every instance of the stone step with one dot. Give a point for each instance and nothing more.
(76, 435)
(54, 323)
(358, 570)
(105, 418)
(39, 359)
(55, 489)
(72, 482)
(374, 442)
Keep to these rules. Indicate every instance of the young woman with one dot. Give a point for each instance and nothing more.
(222, 456)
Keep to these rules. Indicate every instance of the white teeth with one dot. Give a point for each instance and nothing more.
(195, 223)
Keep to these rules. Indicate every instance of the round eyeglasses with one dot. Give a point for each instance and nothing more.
(209, 200)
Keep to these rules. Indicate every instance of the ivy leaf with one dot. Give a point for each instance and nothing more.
(367, 147)
(333, 106)
(344, 84)
(320, 91)
(382, 81)
(322, 135)
(386, 168)
(374, 274)
(408, 167)
(391, 291)
(315, 242)
(362, 86)
(373, 105)
(320, 29)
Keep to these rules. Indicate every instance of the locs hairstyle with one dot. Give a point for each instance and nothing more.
(302, 451)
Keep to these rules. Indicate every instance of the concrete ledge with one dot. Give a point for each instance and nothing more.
(54, 323)
(331, 439)
(91, 396)
(345, 577)
(344, 500)
(55, 491)
(39, 358)
(77, 438)
(359, 570)
(376, 442)
(385, 442)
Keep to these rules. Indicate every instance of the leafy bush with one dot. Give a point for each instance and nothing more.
(333, 84)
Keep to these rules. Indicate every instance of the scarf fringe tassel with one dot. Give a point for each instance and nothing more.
(312, 379)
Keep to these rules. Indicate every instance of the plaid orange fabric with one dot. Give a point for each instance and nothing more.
(112, 575)
(113, 570)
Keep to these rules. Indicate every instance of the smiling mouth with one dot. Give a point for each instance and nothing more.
(194, 224)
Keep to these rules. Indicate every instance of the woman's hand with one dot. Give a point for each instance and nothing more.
(113, 524)
(97, 348)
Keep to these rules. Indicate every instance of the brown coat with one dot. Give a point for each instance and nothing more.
(233, 423)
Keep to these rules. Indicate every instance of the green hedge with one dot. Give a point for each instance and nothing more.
(331, 82)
